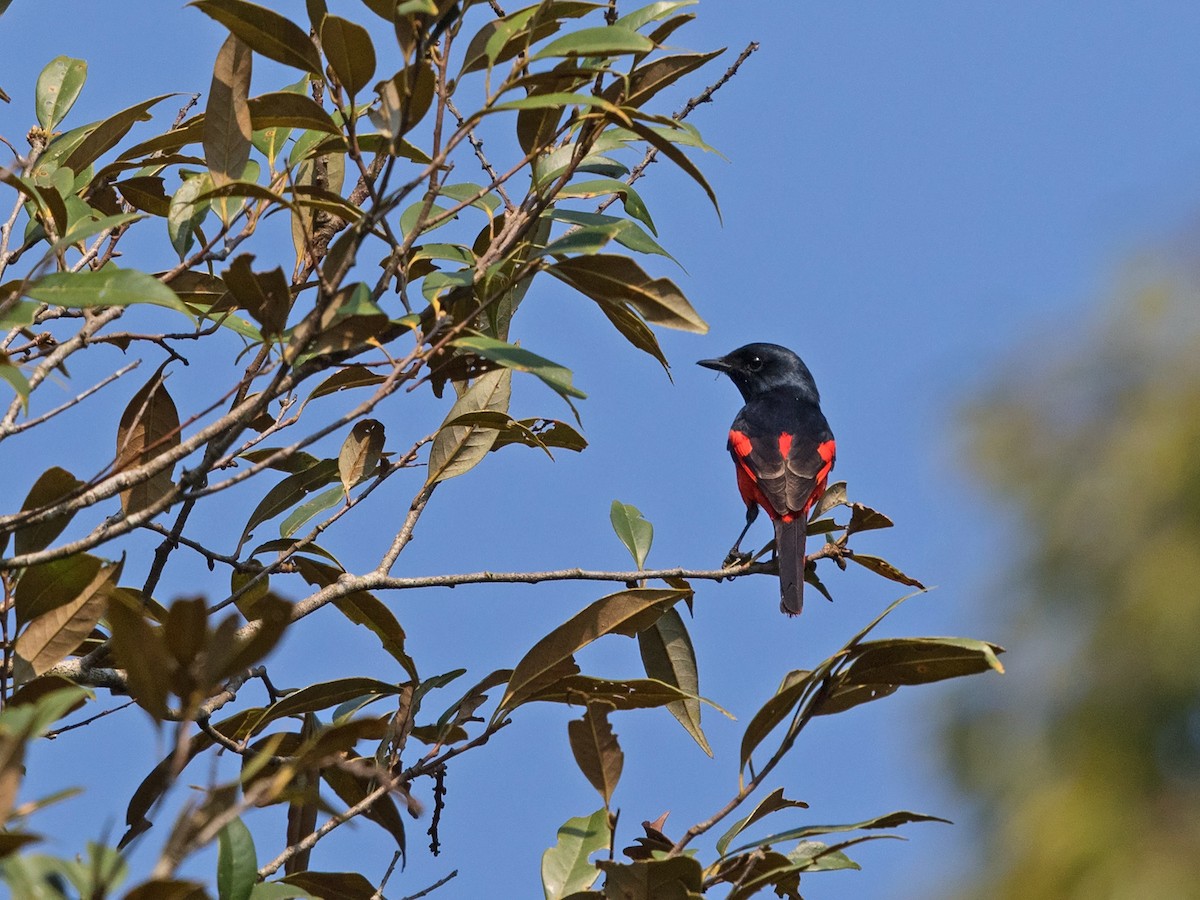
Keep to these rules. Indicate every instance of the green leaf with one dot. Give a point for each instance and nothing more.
(227, 127)
(597, 753)
(284, 109)
(647, 80)
(459, 448)
(605, 40)
(631, 200)
(99, 139)
(321, 696)
(677, 156)
(834, 496)
(773, 802)
(310, 508)
(891, 820)
(652, 12)
(289, 492)
(187, 211)
(237, 863)
(350, 52)
(108, 287)
(16, 380)
(610, 279)
(265, 31)
(625, 612)
(633, 530)
(668, 656)
(920, 660)
(58, 87)
(677, 878)
(795, 686)
(556, 377)
(565, 866)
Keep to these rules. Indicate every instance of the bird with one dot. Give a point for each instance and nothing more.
(783, 451)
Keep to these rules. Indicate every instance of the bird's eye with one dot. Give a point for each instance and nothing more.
(755, 364)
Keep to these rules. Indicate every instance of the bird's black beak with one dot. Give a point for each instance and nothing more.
(719, 364)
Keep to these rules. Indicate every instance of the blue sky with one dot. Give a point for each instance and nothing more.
(911, 193)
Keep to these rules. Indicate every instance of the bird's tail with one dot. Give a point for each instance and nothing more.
(789, 550)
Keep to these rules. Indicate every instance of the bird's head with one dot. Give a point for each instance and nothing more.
(759, 368)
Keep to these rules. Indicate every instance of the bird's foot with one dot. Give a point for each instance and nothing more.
(736, 558)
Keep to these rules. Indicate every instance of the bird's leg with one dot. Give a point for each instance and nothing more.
(736, 557)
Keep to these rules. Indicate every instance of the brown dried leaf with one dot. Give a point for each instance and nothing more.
(227, 124)
(594, 744)
(149, 427)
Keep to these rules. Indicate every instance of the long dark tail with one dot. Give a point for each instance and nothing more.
(789, 549)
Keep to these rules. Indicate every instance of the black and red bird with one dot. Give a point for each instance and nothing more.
(783, 451)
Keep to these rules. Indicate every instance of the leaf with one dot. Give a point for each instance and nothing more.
(48, 585)
(350, 377)
(883, 567)
(459, 448)
(677, 878)
(565, 866)
(647, 80)
(863, 518)
(834, 496)
(631, 200)
(237, 863)
(677, 156)
(227, 127)
(633, 530)
(149, 428)
(594, 745)
(333, 885)
(350, 52)
(320, 696)
(773, 802)
(52, 486)
(186, 212)
(49, 638)
(625, 612)
(264, 295)
(310, 508)
(16, 380)
(668, 656)
(289, 492)
(362, 608)
(58, 87)
(920, 660)
(284, 109)
(631, 693)
(604, 40)
(265, 31)
(544, 433)
(139, 649)
(404, 99)
(108, 287)
(103, 137)
(556, 377)
(360, 453)
(352, 788)
(891, 820)
(610, 279)
(778, 708)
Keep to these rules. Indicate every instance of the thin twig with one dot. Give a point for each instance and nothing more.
(433, 887)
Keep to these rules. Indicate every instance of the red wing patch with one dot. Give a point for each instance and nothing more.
(783, 476)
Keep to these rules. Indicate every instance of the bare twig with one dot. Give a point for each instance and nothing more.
(433, 887)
